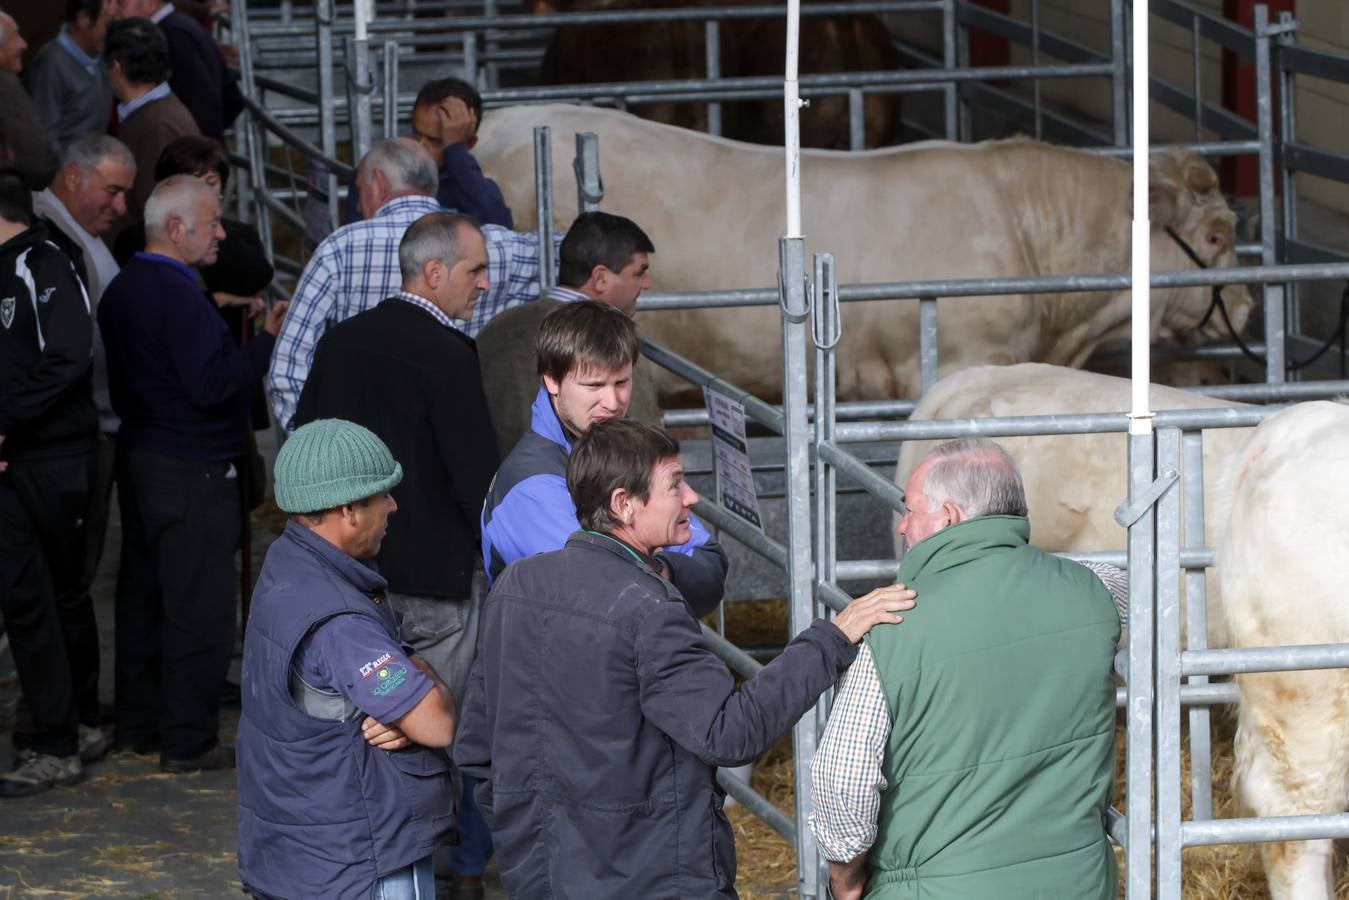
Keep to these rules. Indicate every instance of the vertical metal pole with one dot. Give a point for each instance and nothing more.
(963, 126)
(1119, 76)
(1196, 628)
(712, 50)
(323, 42)
(390, 72)
(927, 343)
(1035, 61)
(589, 184)
(857, 124)
(470, 42)
(1197, 80)
(1288, 133)
(493, 46)
(824, 312)
(1167, 725)
(359, 88)
(800, 574)
(1275, 326)
(543, 194)
(1138, 760)
(950, 90)
(252, 139)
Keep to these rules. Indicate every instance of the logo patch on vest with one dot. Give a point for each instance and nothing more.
(7, 312)
(371, 667)
(46, 295)
(389, 679)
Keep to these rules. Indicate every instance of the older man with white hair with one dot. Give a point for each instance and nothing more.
(356, 266)
(181, 387)
(972, 753)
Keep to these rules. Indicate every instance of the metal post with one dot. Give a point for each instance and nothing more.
(1119, 59)
(712, 50)
(1167, 725)
(359, 88)
(252, 138)
(1138, 762)
(825, 334)
(323, 42)
(927, 343)
(390, 72)
(800, 569)
(1197, 80)
(1196, 627)
(857, 119)
(543, 194)
(1275, 327)
(470, 42)
(1035, 61)
(493, 68)
(964, 126)
(950, 90)
(589, 184)
(1287, 134)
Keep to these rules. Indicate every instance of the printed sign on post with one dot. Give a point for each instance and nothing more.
(730, 456)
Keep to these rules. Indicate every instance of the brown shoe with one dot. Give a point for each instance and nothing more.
(218, 757)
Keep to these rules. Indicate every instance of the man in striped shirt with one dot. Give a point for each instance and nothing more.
(356, 266)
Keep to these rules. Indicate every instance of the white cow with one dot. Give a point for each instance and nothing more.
(1282, 565)
(933, 210)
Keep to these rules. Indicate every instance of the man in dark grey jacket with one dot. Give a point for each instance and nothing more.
(595, 715)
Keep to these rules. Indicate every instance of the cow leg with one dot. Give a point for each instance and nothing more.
(1292, 758)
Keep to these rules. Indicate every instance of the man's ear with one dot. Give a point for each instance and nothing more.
(431, 273)
(620, 506)
(471, 141)
(953, 512)
(551, 385)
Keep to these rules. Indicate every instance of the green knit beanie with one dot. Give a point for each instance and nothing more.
(332, 462)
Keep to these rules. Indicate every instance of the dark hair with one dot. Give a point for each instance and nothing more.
(585, 333)
(89, 7)
(16, 199)
(193, 154)
(599, 239)
(616, 453)
(437, 90)
(139, 47)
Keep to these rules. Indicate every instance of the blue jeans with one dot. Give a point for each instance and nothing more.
(414, 882)
(475, 838)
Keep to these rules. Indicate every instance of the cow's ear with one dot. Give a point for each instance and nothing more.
(1199, 176)
(1163, 194)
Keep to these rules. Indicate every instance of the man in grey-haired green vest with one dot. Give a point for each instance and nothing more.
(971, 754)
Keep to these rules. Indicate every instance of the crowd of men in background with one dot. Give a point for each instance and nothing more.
(135, 345)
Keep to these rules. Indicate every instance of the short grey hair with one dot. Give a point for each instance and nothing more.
(433, 236)
(405, 164)
(87, 152)
(976, 475)
(176, 195)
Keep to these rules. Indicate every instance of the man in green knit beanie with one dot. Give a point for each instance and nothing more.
(971, 754)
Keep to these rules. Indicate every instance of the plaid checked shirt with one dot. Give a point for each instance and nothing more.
(845, 776)
(357, 266)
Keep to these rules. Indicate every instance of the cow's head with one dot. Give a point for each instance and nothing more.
(1183, 195)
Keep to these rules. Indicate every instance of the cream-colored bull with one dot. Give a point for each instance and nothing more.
(1282, 565)
(1276, 503)
(934, 210)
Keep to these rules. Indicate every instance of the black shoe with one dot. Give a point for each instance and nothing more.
(218, 757)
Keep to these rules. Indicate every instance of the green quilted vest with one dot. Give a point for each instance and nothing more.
(1001, 761)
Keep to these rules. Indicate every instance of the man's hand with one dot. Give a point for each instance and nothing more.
(848, 881)
(881, 605)
(255, 304)
(275, 316)
(383, 737)
(457, 122)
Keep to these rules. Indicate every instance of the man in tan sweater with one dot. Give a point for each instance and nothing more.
(603, 257)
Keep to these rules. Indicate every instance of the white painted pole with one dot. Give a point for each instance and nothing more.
(791, 102)
(1140, 416)
(363, 11)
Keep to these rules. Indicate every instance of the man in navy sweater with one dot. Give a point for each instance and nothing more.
(181, 387)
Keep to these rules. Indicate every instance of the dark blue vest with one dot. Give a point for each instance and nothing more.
(321, 813)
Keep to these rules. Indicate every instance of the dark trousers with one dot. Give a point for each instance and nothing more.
(175, 599)
(48, 613)
(100, 503)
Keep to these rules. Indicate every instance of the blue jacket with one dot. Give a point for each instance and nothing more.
(321, 812)
(596, 719)
(528, 510)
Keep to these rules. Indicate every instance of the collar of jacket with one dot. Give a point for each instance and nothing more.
(963, 543)
(411, 202)
(362, 576)
(543, 420)
(613, 545)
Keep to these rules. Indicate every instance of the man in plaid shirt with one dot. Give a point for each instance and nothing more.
(357, 266)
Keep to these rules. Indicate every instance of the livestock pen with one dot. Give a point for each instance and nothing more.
(810, 312)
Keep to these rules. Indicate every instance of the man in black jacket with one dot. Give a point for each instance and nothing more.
(403, 371)
(47, 430)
